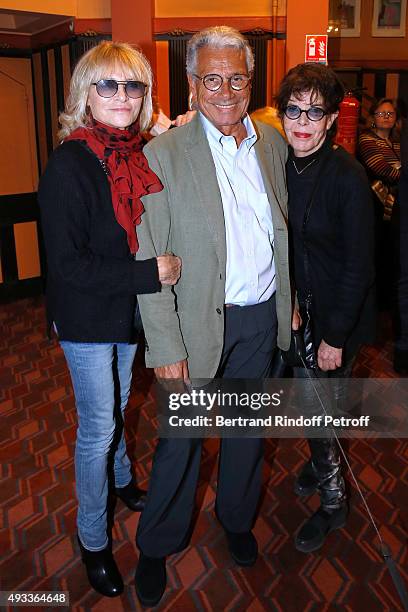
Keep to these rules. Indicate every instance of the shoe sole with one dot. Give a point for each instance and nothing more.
(246, 563)
(148, 603)
(312, 548)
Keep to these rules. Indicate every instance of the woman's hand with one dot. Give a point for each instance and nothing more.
(328, 357)
(169, 267)
(183, 119)
(296, 320)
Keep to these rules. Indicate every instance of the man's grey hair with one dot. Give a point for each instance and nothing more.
(217, 37)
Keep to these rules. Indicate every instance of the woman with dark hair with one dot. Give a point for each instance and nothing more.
(379, 146)
(90, 199)
(331, 226)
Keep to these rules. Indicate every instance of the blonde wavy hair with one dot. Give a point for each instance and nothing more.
(96, 64)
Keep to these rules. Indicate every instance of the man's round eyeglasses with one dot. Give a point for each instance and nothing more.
(314, 113)
(384, 114)
(213, 82)
(107, 88)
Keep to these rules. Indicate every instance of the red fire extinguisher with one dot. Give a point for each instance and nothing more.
(347, 123)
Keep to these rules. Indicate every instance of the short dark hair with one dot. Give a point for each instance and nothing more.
(317, 78)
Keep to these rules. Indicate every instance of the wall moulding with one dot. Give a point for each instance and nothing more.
(374, 65)
(194, 24)
(102, 26)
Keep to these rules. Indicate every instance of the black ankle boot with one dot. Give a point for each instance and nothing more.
(401, 361)
(306, 482)
(313, 532)
(243, 547)
(102, 571)
(150, 580)
(132, 497)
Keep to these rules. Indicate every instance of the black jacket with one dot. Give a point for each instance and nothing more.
(340, 243)
(92, 278)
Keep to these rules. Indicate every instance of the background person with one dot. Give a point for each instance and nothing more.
(379, 151)
(90, 206)
(401, 342)
(331, 220)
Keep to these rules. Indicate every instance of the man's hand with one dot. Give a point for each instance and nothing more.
(328, 357)
(176, 375)
(169, 267)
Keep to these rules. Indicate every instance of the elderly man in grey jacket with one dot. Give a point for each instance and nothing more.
(223, 211)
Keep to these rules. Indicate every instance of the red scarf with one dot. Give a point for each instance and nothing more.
(127, 169)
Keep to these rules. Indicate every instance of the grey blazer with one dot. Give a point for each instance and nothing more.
(186, 218)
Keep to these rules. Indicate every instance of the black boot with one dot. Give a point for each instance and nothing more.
(401, 361)
(243, 547)
(133, 497)
(102, 571)
(313, 532)
(150, 580)
(307, 481)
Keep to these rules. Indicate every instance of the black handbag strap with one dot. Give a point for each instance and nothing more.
(306, 259)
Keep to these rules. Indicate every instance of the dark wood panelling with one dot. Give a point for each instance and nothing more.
(17, 290)
(59, 79)
(17, 208)
(52, 86)
(35, 104)
(177, 77)
(380, 84)
(80, 44)
(47, 100)
(40, 110)
(8, 255)
(258, 93)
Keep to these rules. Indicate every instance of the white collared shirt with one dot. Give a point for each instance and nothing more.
(250, 275)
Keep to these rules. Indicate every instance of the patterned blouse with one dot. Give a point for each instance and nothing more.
(380, 158)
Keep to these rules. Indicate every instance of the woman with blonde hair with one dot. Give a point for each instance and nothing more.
(90, 199)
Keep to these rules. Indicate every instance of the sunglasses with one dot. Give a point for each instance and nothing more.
(314, 113)
(107, 88)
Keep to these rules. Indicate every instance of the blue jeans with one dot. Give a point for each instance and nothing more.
(101, 375)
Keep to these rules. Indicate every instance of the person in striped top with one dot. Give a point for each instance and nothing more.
(379, 152)
(379, 147)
